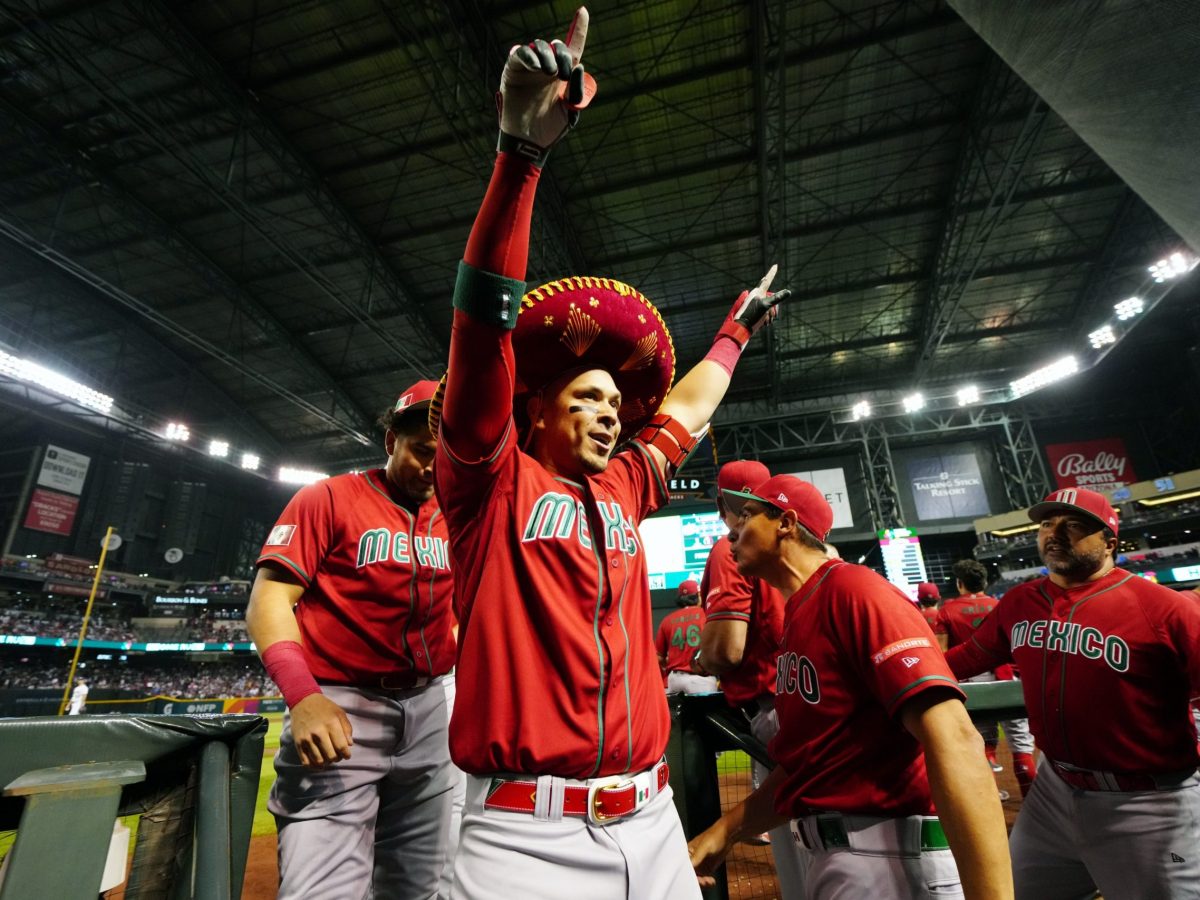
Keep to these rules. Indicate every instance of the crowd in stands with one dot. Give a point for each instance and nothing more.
(187, 680)
(206, 626)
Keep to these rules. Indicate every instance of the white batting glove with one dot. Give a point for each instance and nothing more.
(542, 89)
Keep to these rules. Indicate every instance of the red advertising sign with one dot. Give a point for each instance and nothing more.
(69, 565)
(1101, 465)
(51, 511)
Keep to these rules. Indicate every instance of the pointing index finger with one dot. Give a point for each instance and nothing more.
(765, 284)
(577, 34)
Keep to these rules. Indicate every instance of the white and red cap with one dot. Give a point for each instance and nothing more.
(419, 394)
(787, 492)
(1065, 501)
(741, 475)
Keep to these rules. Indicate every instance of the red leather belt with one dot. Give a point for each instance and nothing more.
(599, 801)
(1096, 780)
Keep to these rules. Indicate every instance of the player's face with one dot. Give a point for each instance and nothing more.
(752, 539)
(1072, 546)
(410, 463)
(576, 426)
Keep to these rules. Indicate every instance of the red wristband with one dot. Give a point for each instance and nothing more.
(725, 352)
(287, 667)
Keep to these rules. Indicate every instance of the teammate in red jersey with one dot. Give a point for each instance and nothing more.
(957, 621)
(872, 728)
(351, 613)
(562, 721)
(1108, 664)
(740, 643)
(928, 598)
(677, 640)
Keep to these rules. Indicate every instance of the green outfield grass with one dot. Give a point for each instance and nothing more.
(732, 763)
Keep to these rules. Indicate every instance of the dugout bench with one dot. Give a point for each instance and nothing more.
(193, 779)
(703, 725)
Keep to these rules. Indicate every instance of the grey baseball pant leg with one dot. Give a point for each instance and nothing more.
(377, 824)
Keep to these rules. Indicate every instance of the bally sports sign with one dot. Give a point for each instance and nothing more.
(1100, 465)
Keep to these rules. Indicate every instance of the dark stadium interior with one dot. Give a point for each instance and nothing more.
(246, 217)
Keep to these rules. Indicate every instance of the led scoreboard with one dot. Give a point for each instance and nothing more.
(902, 560)
(677, 547)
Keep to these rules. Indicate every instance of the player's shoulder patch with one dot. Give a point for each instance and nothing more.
(281, 535)
(914, 643)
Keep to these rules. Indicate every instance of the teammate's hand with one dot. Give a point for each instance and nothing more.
(708, 850)
(542, 89)
(321, 731)
(753, 309)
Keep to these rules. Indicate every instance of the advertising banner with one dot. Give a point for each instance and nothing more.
(51, 512)
(832, 483)
(1100, 465)
(948, 486)
(64, 470)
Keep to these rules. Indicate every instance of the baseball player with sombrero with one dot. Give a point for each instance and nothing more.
(351, 613)
(872, 728)
(676, 642)
(740, 643)
(558, 426)
(1109, 662)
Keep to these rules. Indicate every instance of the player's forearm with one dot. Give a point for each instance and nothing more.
(756, 813)
(971, 658)
(499, 241)
(964, 793)
(270, 616)
(697, 395)
(719, 652)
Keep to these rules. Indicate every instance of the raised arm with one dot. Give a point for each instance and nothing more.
(542, 89)
(696, 396)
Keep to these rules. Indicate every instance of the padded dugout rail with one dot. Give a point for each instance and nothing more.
(196, 801)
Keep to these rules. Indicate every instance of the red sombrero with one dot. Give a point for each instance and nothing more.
(582, 323)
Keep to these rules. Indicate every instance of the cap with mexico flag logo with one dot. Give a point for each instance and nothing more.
(1091, 504)
(788, 493)
(420, 394)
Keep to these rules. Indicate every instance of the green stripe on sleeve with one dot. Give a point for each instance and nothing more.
(949, 682)
(287, 563)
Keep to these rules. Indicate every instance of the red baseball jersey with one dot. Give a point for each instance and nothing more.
(557, 672)
(960, 616)
(930, 615)
(855, 650)
(679, 636)
(1107, 667)
(376, 577)
(730, 596)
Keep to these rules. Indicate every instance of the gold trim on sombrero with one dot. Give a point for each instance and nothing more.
(643, 353)
(581, 332)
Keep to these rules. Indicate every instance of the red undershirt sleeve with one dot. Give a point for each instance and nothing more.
(986, 649)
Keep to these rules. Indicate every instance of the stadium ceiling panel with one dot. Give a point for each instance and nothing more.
(251, 213)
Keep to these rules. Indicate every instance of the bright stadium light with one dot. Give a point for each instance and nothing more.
(1103, 336)
(968, 395)
(29, 371)
(289, 475)
(218, 448)
(914, 402)
(177, 431)
(1035, 381)
(1173, 266)
(1127, 309)
(860, 410)
(250, 462)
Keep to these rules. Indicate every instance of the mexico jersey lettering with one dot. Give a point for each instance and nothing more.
(1108, 669)
(732, 597)
(854, 651)
(377, 580)
(557, 667)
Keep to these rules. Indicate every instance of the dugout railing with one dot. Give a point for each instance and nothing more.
(192, 780)
(704, 725)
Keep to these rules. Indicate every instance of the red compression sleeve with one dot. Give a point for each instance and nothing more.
(285, 663)
(725, 352)
(499, 241)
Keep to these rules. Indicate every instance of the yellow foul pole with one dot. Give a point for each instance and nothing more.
(87, 615)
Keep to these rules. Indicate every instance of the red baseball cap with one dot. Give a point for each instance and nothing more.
(689, 588)
(787, 492)
(420, 394)
(927, 590)
(741, 475)
(1092, 504)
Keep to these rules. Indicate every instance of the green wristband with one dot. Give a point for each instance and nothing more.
(488, 298)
